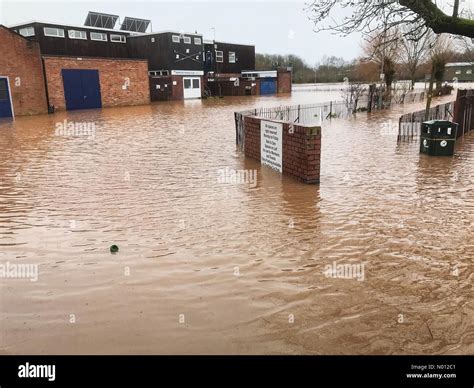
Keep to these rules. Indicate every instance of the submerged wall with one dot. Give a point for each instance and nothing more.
(300, 147)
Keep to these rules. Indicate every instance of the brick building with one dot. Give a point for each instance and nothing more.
(119, 82)
(22, 90)
(98, 65)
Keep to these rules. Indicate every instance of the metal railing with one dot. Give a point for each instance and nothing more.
(307, 114)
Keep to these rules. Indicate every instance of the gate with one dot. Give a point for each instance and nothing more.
(267, 86)
(81, 89)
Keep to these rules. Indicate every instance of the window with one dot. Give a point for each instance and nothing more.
(231, 57)
(469, 71)
(458, 71)
(99, 36)
(175, 38)
(54, 32)
(118, 38)
(74, 34)
(187, 40)
(187, 83)
(158, 72)
(196, 83)
(219, 56)
(27, 31)
(197, 41)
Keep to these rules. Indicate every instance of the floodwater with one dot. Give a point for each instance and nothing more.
(212, 267)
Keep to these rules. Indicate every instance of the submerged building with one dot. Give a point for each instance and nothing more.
(65, 67)
(460, 71)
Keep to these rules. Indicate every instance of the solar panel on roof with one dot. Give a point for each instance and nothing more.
(100, 20)
(134, 24)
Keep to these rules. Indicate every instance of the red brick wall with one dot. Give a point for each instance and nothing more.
(112, 74)
(21, 58)
(284, 81)
(301, 149)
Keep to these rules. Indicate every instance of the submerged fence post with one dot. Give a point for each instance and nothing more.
(399, 129)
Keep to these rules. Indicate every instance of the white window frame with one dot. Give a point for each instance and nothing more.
(159, 73)
(175, 38)
(187, 39)
(458, 72)
(233, 56)
(9, 95)
(60, 32)
(198, 41)
(219, 53)
(121, 38)
(72, 34)
(469, 71)
(26, 30)
(103, 34)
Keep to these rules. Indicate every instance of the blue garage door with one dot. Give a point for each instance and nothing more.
(268, 86)
(81, 89)
(5, 103)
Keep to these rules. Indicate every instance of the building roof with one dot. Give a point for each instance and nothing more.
(209, 41)
(166, 32)
(68, 25)
(460, 64)
(132, 33)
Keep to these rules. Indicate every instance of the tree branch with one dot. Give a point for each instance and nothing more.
(438, 21)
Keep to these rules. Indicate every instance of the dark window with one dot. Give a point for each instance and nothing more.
(195, 84)
(187, 84)
(3, 89)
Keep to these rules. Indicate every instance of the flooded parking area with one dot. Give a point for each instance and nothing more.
(206, 266)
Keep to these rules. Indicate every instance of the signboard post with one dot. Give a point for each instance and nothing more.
(271, 142)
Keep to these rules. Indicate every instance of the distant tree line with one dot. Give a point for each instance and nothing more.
(402, 58)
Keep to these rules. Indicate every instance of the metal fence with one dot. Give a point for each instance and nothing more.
(401, 97)
(409, 127)
(305, 114)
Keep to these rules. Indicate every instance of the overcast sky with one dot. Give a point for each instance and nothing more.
(275, 27)
(280, 27)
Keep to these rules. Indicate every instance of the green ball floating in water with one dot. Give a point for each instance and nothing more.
(114, 248)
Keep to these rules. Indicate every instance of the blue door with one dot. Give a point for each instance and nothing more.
(81, 89)
(267, 86)
(5, 103)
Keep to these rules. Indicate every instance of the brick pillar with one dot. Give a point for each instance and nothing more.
(301, 148)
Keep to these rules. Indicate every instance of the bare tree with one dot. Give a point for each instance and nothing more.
(440, 53)
(382, 47)
(368, 15)
(466, 45)
(352, 94)
(414, 52)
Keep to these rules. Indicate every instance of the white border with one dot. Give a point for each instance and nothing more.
(69, 34)
(9, 94)
(54, 36)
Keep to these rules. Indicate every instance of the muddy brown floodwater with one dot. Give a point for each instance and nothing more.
(210, 267)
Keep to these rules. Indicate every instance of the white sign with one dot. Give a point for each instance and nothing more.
(271, 141)
(187, 72)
